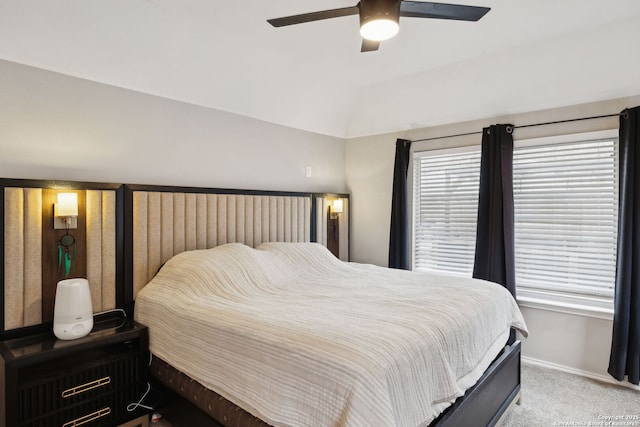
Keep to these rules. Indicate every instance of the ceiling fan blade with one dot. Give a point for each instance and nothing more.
(418, 9)
(369, 45)
(314, 16)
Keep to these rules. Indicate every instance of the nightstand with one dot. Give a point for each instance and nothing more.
(85, 382)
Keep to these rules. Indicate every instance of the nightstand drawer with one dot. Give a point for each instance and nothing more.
(102, 411)
(59, 384)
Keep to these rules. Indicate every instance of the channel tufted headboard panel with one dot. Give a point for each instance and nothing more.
(23, 257)
(101, 248)
(167, 223)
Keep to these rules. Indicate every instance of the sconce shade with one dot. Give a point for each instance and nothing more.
(67, 205)
(337, 206)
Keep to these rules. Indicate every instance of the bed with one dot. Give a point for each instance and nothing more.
(295, 337)
(132, 230)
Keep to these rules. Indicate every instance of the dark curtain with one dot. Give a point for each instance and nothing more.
(494, 257)
(625, 346)
(399, 234)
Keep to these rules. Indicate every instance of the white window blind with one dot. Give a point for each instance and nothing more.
(566, 212)
(445, 194)
(566, 217)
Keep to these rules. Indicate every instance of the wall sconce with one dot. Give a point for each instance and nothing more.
(336, 207)
(65, 216)
(65, 212)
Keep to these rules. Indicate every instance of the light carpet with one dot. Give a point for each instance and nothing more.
(555, 398)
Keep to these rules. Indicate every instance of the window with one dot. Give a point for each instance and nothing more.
(566, 218)
(445, 198)
(566, 212)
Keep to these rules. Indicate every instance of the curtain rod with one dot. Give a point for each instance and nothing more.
(523, 126)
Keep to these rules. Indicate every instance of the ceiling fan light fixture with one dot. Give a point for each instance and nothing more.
(379, 19)
(379, 29)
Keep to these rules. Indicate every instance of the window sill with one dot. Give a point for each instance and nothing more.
(576, 309)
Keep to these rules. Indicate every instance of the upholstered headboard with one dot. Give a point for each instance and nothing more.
(30, 266)
(167, 221)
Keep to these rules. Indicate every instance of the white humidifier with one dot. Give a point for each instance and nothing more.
(73, 311)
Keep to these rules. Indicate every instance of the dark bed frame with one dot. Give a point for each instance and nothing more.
(487, 401)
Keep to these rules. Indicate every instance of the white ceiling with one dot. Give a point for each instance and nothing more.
(524, 55)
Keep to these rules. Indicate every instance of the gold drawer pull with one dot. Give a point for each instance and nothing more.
(86, 387)
(88, 418)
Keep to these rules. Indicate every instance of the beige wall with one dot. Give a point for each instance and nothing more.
(577, 342)
(369, 179)
(59, 127)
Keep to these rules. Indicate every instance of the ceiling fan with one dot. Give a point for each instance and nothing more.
(379, 19)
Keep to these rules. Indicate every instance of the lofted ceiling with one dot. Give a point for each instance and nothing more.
(524, 55)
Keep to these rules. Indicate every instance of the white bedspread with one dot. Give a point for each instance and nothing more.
(299, 338)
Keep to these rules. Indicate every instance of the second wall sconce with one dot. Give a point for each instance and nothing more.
(336, 207)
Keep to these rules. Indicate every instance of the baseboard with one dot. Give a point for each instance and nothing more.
(587, 374)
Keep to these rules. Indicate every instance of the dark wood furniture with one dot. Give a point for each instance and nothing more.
(85, 382)
(333, 235)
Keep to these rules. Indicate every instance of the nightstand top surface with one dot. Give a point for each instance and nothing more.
(39, 345)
